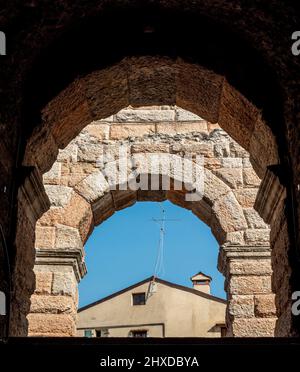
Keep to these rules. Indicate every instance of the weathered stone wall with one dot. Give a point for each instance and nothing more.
(266, 38)
(81, 197)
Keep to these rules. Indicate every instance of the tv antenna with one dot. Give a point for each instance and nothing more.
(159, 264)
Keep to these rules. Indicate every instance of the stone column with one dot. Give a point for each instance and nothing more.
(53, 309)
(251, 307)
(32, 203)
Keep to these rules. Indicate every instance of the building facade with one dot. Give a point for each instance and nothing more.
(156, 308)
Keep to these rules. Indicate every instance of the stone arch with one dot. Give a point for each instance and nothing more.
(93, 196)
(141, 81)
(272, 203)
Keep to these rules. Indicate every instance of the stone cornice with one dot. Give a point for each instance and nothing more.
(270, 194)
(234, 252)
(70, 257)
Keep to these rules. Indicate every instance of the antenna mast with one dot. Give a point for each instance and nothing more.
(159, 265)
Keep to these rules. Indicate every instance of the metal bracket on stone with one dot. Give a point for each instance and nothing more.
(70, 257)
(270, 194)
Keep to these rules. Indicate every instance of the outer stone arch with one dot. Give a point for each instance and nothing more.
(140, 81)
(271, 202)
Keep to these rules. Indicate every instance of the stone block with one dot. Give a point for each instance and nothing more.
(182, 128)
(232, 163)
(241, 306)
(93, 187)
(44, 237)
(214, 188)
(54, 324)
(52, 177)
(73, 173)
(103, 208)
(229, 213)
(123, 131)
(257, 236)
(251, 179)
(254, 327)
(222, 148)
(246, 196)
(140, 115)
(254, 220)
(235, 238)
(52, 304)
(64, 283)
(98, 130)
(200, 148)
(231, 176)
(89, 153)
(67, 237)
(150, 147)
(250, 267)
(43, 282)
(124, 198)
(68, 154)
(59, 195)
(265, 306)
(250, 284)
(202, 210)
(212, 163)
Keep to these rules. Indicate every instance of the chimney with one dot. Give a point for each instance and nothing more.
(201, 282)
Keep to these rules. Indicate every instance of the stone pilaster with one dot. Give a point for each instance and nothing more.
(251, 309)
(271, 205)
(32, 203)
(53, 308)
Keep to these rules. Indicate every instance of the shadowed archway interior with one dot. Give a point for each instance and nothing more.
(212, 80)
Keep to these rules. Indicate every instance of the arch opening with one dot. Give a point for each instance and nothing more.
(274, 204)
(84, 192)
(132, 260)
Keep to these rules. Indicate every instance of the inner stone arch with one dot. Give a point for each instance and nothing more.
(81, 198)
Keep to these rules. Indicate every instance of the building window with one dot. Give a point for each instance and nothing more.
(102, 332)
(88, 333)
(139, 298)
(139, 334)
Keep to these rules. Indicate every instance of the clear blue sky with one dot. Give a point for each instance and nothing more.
(122, 251)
